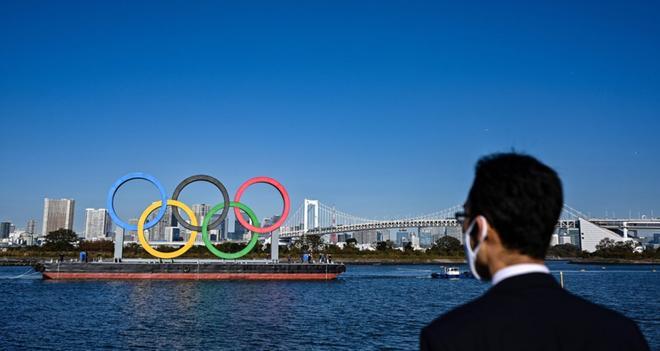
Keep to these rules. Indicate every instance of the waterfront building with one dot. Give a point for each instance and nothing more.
(554, 240)
(31, 227)
(414, 240)
(366, 236)
(131, 234)
(574, 233)
(591, 235)
(200, 211)
(157, 232)
(219, 233)
(240, 232)
(383, 235)
(172, 234)
(402, 237)
(58, 214)
(97, 224)
(5, 229)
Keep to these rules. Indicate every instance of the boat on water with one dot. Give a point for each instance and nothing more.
(189, 270)
(451, 273)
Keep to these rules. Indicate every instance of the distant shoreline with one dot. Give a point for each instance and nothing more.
(613, 261)
(367, 261)
(7, 261)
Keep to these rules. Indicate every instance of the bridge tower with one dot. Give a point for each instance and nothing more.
(315, 216)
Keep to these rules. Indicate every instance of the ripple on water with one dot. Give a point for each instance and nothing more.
(369, 307)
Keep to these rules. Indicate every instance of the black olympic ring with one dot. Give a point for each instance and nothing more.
(202, 178)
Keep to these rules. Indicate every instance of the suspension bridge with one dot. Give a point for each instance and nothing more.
(316, 218)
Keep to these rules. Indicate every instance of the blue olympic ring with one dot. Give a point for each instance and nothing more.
(111, 199)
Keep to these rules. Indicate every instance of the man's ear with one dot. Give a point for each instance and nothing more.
(481, 225)
(493, 237)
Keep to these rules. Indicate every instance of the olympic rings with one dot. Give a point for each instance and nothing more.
(203, 178)
(160, 254)
(193, 225)
(207, 240)
(110, 202)
(283, 193)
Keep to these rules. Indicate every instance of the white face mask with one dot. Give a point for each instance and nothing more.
(470, 254)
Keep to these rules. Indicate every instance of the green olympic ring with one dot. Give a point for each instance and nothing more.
(228, 255)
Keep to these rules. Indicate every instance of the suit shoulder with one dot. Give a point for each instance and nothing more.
(451, 329)
(598, 314)
(458, 317)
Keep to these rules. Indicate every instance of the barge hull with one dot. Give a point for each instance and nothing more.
(192, 276)
(190, 271)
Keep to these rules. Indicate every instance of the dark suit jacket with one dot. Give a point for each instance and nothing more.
(531, 312)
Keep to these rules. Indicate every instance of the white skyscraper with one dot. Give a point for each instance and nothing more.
(31, 227)
(58, 214)
(200, 210)
(97, 224)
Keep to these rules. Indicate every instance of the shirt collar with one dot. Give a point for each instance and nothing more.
(518, 269)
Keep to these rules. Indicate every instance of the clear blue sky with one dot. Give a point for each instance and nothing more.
(380, 108)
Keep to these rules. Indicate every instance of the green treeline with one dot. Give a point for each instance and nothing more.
(66, 243)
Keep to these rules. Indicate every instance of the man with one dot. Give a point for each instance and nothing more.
(510, 215)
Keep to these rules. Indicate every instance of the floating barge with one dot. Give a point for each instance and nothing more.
(190, 270)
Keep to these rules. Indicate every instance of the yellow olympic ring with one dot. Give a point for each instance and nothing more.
(145, 243)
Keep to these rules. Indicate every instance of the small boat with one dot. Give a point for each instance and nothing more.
(451, 273)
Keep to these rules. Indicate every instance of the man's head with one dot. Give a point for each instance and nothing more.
(520, 199)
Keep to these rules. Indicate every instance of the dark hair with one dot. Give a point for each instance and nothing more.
(520, 197)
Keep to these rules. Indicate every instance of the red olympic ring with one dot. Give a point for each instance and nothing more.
(285, 198)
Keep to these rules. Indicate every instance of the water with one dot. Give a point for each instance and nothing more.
(369, 307)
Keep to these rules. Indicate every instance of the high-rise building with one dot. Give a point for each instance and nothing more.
(574, 233)
(97, 224)
(5, 227)
(425, 237)
(131, 235)
(342, 237)
(239, 230)
(402, 237)
(157, 232)
(172, 234)
(58, 214)
(31, 227)
(200, 211)
(366, 236)
(220, 232)
(414, 240)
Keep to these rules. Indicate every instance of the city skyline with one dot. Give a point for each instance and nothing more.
(381, 111)
(200, 210)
